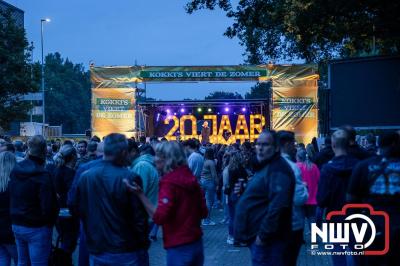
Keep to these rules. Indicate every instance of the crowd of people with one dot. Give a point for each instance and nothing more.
(111, 196)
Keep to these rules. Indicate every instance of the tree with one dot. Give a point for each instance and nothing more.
(259, 91)
(16, 75)
(314, 30)
(68, 94)
(223, 95)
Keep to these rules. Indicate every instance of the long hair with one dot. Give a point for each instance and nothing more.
(7, 163)
(173, 154)
(303, 157)
(235, 161)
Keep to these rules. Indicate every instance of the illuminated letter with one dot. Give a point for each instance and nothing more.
(241, 124)
(194, 127)
(256, 126)
(170, 134)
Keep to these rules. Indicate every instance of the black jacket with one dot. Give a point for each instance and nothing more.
(63, 177)
(33, 201)
(6, 234)
(114, 219)
(324, 156)
(333, 182)
(265, 208)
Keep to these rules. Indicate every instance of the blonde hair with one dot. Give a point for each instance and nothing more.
(173, 154)
(7, 163)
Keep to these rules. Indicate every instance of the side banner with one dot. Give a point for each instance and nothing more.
(113, 111)
(294, 108)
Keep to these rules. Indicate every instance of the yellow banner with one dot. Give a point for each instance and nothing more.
(295, 108)
(113, 111)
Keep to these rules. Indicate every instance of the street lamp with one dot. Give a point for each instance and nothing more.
(43, 101)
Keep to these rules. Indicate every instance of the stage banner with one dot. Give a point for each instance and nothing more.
(103, 77)
(113, 111)
(295, 108)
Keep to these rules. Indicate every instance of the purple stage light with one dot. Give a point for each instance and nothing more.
(226, 109)
(244, 109)
(182, 110)
(168, 111)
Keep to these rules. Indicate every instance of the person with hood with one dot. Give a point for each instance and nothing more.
(181, 206)
(288, 150)
(144, 167)
(334, 180)
(33, 205)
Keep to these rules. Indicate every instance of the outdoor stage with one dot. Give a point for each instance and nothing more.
(229, 120)
(291, 104)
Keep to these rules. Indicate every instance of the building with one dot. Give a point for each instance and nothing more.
(16, 13)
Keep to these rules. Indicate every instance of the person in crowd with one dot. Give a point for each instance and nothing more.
(286, 140)
(310, 152)
(95, 139)
(142, 141)
(181, 206)
(325, 154)
(3, 145)
(72, 197)
(19, 150)
(195, 159)
(353, 148)
(334, 180)
(310, 175)
(33, 205)
(236, 173)
(90, 155)
(67, 225)
(264, 211)
(8, 249)
(82, 148)
(225, 188)
(371, 144)
(209, 182)
(314, 143)
(114, 220)
(144, 167)
(376, 181)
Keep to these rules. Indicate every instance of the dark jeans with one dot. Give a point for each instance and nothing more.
(232, 200)
(83, 252)
(33, 244)
(137, 258)
(209, 189)
(296, 241)
(68, 230)
(8, 252)
(270, 254)
(191, 254)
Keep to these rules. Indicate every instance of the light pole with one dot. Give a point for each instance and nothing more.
(43, 99)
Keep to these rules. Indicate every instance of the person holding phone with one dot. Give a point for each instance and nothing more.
(181, 206)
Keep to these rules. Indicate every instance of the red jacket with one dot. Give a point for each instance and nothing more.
(181, 206)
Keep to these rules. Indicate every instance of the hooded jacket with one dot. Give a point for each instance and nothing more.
(145, 168)
(181, 206)
(333, 182)
(33, 201)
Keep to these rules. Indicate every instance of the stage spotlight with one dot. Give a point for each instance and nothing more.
(209, 110)
(226, 109)
(168, 111)
(199, 110)
(244, 109)
(174, 113)
(182, 110)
